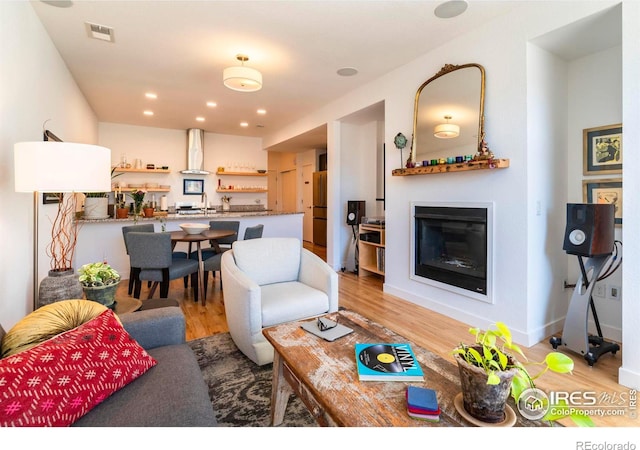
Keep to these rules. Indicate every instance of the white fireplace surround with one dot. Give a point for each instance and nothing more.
(489, 206)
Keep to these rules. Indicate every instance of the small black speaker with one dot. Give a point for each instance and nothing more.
(355, 211)
(590, 229)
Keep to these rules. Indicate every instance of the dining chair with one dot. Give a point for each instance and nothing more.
(212, 264)
(144, 228)
(254, 232)
(224, 243)
(151, 260)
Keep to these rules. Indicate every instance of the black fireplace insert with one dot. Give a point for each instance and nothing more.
(451, 246)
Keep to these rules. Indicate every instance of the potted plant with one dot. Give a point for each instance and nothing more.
(147, 210)
(99, 282)
(138, 198)
(122, 212)
(490, 372)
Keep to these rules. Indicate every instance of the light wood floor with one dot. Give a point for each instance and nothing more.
(425, 328)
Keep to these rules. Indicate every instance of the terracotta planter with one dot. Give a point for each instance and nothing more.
(485, 402)
(122, 213)
(148, 212)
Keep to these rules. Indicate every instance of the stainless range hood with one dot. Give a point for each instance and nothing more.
(195, 152)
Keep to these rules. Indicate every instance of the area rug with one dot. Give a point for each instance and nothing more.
(240, 390)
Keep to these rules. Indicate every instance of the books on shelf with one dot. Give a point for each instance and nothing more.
(387, 362)
(422, 404)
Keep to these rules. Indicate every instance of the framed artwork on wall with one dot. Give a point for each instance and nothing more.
(604, 191)
(602, 150)
(193, 187)
(51, 197)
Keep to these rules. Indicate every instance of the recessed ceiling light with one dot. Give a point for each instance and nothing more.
(244, 124)
(151, 95)
(148, 113)
(347, 71)
(261, 111)
(450, 9)
(200, 119)
(212, 104)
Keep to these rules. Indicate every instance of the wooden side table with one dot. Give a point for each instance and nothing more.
(127, 305)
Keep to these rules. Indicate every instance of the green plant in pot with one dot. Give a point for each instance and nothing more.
(490, 373)
(99, 282)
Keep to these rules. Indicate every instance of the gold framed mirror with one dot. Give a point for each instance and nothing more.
(450, 105)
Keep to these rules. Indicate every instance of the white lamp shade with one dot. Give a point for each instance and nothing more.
(446, 131)
(241, 78)
(47, 166)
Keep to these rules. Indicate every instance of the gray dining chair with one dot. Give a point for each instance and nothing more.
(254, 232)
(212, 264)
(144, 228)
(224, 243)
(151, 260)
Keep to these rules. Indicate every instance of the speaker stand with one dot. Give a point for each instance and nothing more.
(575, 335)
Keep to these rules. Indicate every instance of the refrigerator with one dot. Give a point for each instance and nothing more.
(320, 208)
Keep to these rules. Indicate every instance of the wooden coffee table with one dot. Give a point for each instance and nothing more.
(323, 374)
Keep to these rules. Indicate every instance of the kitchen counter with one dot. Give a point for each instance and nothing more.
(102, 239)
(187, 217)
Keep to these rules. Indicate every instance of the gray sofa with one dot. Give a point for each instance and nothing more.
(170, 394)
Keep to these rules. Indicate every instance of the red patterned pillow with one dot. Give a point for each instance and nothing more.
(58, 381)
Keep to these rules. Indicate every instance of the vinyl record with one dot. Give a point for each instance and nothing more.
(381, 358)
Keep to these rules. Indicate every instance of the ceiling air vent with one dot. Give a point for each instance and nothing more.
(101, 32)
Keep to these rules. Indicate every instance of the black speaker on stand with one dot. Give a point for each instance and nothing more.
(589, 234)
(355, 212)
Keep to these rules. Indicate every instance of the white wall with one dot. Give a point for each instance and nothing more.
(547, 191)
(630, 371)
(167, 147)
(35, 86)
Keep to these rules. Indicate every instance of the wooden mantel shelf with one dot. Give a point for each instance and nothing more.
(454, 167)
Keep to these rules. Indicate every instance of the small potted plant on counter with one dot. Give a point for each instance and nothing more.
(147, 210)
(99, 282)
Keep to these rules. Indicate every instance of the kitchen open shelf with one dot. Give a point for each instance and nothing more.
(454, 167)
(241, 190)
(122, 170)
(243, 174)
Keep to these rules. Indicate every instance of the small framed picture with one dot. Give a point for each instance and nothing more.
(193, 187)
(51, 197)
(602, 150)
(604, 191)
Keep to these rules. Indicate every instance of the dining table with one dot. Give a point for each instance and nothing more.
(208, 235)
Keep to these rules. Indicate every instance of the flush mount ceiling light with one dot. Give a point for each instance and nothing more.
(446, 130)
(450, 9)
(242, 78)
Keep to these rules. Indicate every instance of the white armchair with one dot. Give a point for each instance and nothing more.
(269, 281)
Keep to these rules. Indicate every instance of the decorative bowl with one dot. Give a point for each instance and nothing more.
(262, 171)
(194, 228)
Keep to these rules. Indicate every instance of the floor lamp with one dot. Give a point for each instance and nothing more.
(58, 167)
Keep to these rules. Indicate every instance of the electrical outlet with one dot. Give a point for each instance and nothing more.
(614, 292)
(599, 290)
